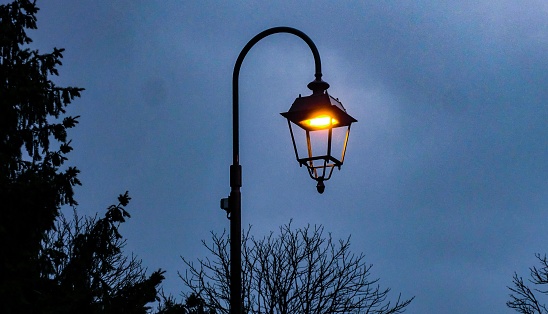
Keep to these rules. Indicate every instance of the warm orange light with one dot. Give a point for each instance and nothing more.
(321, 121)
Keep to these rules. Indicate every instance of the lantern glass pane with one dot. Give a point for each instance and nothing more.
(338, 143)
(299, 136)
(319, 143)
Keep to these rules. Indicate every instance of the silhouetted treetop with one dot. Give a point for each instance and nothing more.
(88, 269)
(526, 297)
(32, 185)
(49, 264)
(295, 271)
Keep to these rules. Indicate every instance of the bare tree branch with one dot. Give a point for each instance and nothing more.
(296, 271)
(523, 298)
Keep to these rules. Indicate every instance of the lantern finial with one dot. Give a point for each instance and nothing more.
(320, 186)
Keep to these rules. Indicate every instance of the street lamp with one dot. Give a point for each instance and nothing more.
(325, 126)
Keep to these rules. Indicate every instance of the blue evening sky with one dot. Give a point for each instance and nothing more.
(445, 185)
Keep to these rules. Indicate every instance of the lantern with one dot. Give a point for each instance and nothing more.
(319, 127)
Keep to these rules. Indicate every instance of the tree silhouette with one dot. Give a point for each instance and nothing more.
(524, 299)
(193, 305)
(74, 267)
(83, 262)
(32, 186)
(297, 271)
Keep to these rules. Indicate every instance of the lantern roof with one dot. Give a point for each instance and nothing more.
(317, 104)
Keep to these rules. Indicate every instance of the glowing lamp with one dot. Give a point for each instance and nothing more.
(319, 127)
(320, 122)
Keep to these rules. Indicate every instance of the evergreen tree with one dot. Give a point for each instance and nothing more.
(78, 266)
(87, 272)
(33, 147)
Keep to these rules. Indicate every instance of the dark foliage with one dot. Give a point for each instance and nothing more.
(193, 305)
(49, 267)
(32, 185)
(87, 271)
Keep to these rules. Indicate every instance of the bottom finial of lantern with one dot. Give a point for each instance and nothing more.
(320, 186)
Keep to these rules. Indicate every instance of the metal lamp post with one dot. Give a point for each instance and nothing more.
(318, 116)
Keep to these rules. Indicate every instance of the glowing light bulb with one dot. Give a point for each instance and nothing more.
(321, 121)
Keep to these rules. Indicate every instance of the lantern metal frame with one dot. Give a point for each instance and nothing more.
(320, 103)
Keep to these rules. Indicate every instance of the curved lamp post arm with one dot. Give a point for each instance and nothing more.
(236, 74)
(234, 200)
